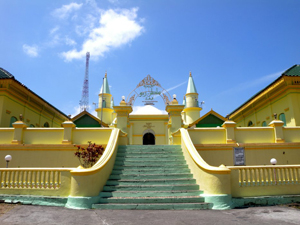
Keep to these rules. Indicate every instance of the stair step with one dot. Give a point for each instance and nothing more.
(150, 163)
(150, 157)
(148, 154)
(142, 150)
(170, 199)
(137, 187)
(150, 193)
(137, 171)
(153, 206)
(150, 176)
(151, 181)
(149, 147)
(146, 167)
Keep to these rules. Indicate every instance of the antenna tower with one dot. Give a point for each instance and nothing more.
(84, 102)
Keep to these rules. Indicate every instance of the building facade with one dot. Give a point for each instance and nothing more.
(17, 102)
(281, 100)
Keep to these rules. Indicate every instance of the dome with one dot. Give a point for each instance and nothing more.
(147, 110)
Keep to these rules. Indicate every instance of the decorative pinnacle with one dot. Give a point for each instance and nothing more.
(190, 73)
(105, 74)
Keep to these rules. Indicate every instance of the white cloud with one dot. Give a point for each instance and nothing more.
(172, 88)
(246, 85)
(70, 41)
(176, 86)
(114, 1)
(116, 28)
(32, 51)
(88, 24)
(76, 111)
(64, 11)
(54, 30)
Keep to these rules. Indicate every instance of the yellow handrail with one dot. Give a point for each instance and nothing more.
(111, 145)
(197, 158)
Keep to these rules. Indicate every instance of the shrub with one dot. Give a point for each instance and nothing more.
(88, 156)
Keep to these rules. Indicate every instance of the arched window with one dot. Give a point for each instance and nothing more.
(12, 120)
(264, 124)
(46, 124)
(103, 103)
(250, 123)
(282, 118)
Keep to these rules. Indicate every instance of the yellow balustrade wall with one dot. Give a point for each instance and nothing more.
(33, 181)
(254, 135)
(44, 147)
(43, 135)
(255, 154)
(6, 135)
(265, 180)
(259, 144)
(98, 174)
(212, 180)
(62, 182)
(208, 135)
(291, 134)
(96, 135)
(39, 156)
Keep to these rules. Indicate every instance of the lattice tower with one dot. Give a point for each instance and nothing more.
(84, 102)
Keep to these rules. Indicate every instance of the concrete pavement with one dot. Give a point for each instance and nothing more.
(31, 215)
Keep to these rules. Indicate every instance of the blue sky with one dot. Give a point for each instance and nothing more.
(233, 48)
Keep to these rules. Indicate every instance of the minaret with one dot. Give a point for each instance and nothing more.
(105, 110)
(192, 109)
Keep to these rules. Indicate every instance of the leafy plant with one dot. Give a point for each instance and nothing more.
(88, 156)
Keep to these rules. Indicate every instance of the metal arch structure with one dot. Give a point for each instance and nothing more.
(145, 90)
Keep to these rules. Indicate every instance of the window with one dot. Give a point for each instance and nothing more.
(282, 118)
(264, 124)
(250, 124)
(12, 120)
(46, 124)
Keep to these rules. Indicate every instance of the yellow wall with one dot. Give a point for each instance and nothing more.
(208, 135)
(281, 97)
(291, 134)
(255, 154)
(154, 124)
(16, 99)
(43, 135)
(254, 135)
(39, 156)
(43, 147)
(6, 135)
(96, 135)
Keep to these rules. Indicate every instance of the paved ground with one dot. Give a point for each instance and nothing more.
(28, 214)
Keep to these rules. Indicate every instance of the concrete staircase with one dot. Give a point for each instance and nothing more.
(151, 177)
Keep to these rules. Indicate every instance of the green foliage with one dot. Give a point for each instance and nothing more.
(88, 156)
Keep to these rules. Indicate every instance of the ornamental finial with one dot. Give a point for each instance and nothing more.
(105, 74)
(190, 73)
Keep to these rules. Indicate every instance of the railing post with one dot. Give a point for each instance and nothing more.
(230, 131)
(18, 134)
(68, 128)
(277, 125)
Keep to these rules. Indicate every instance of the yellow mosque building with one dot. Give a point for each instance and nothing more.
(153, 159)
